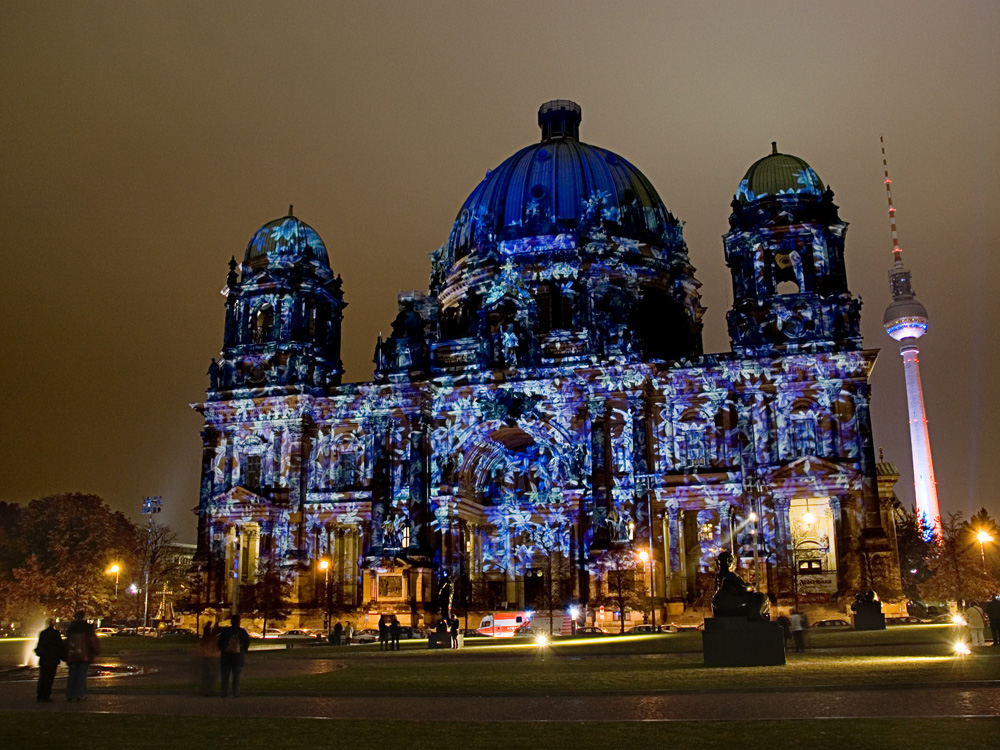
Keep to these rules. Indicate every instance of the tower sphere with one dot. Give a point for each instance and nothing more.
(905, 318)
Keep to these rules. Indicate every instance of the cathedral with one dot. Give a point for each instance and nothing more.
(545, 412)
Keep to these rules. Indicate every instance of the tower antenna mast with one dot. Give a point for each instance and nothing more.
(906, 321)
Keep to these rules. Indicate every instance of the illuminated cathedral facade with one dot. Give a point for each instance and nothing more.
(546, 406)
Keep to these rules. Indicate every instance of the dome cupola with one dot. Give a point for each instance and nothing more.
(778, 174)
(563, 254)
(287, 240)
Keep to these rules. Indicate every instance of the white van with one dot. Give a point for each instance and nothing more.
(503, 624)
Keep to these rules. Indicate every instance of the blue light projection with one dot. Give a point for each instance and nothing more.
(547, 401)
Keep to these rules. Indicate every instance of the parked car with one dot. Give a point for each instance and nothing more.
(526, 630)
(177, 633)
(300, 633)
(945, 619)
(274, 633)
(904, 620)
(647, 629)
(368, 635)
(106, 632)
(126, 631)
(590, 630)
(148, 632)
(832, 624)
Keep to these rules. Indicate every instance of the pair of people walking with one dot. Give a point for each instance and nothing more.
(78, 651)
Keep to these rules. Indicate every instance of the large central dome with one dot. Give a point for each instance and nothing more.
(552, 187)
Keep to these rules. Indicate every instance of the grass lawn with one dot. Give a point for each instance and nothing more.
(38, 730)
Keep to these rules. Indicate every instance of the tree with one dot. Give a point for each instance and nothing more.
(551, 543)
(626, 590)
(194, 598)
(990, 550)
(914, 551)
(75, 538)
(267, 597)
(956, 572)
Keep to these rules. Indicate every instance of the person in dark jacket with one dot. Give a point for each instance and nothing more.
(233, 643)
(395, 630)
(50, 652)
(453, 630)
(337, 634)
(383, 635)
(81, 650)
(993, 612)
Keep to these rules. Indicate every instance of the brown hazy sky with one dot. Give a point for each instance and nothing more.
(144, 143)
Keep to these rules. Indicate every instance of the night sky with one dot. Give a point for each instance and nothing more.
(144, 143)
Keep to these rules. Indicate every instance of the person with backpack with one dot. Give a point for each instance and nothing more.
(81, 648)
(50, 651)
(233, 644)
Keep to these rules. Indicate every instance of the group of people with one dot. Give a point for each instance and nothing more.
(229, 645)
(389, 633)
(450, 628)
(794, 627)
(340, 635)
(78, 649)
(980, 617)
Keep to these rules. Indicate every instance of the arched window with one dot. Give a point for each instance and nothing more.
(263, 323)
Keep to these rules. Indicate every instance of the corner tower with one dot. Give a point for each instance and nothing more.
(785, 250)
(284, 309)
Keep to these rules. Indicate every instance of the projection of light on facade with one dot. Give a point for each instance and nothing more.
(548, 401)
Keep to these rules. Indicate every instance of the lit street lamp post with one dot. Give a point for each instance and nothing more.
(983, 536)
(115, 569)
(324, 565)
(644, 556)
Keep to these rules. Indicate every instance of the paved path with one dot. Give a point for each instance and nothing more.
(142, 697)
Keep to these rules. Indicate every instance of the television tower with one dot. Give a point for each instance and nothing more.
(906, 321)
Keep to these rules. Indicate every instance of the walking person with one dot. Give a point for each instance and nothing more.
(50, 651)
(81, 649)
(976, 618)
(233, 643)
(454, 632)
(993, 612)
(383, 634)
(797, 626)
(208, 649)
(348, 634)
(395, 630)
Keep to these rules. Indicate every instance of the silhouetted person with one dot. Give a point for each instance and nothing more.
(50, 651)
(207, 651)
(233, 643)
(81, 650)
(383, 635)
(454, 633)
(337, 634)
(395, 629)
(993, 612)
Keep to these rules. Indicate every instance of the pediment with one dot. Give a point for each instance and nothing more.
(241, 496)
(806, 467)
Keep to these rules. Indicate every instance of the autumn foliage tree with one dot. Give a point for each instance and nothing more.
(955, 568)
(626, 590)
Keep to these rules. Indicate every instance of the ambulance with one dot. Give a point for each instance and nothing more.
(503, 624)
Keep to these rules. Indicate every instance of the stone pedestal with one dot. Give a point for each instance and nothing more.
(738, 642)
(443, 640)
(869, 617)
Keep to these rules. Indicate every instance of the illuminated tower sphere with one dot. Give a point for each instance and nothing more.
(906, 321)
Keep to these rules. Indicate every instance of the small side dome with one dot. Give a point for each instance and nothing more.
(778, 174)
(288, 239)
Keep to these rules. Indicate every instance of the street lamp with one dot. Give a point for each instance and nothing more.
(324, 565)
(983, 536)
(114, 569)
(644, 556)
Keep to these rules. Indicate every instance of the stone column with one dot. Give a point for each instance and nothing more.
(674, 533)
